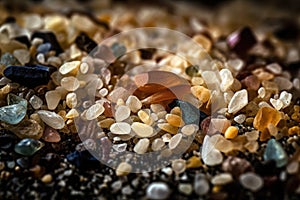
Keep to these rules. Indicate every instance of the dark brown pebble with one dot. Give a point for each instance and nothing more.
(241, 41)
(236, 166)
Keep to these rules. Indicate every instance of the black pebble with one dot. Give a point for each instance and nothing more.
(82, 159)
(23, 162)
(85, 43)
(30, 76)
(23, 39)
(48, 37)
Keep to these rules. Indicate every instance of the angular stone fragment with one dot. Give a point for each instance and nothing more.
(241, 41)
(12, 114)
(27, 129)
(238, 101)
(265, 116)
(36, 102)
(210, 155)
(51, 135)
(274, 151)
(52, 98)
(175, 140)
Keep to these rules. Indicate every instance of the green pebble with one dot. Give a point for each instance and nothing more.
(274, 151)
(28, 146)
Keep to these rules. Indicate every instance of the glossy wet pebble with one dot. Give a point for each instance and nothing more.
(28, 146)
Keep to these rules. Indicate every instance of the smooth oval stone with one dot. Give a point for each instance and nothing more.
(30, 76)
(28, 146)
(158, 190)
(12, 114)
(274, 151)
(52, 119)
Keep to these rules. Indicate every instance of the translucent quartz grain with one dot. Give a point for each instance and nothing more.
(51, 119)
(122, 113)
(123, 169)
(286, 98)
(22, 55)
(157, 144)
(145, 117)
(94, 111)
(189, 129)
(227, 79)
(178, 166)
(210, 155)
(84, 68)
(71, 100)
(36, 102)
(240, 118)
(120, 128)
(238, 101)
(276, 103)
(141, 146)
(70, 83)
(174, 120)
(261, 92)
(69, 68)
(156, 108)
(264, 116)
(283, 83)
(158, 190)
(222, 179)
(275, 68)
(142, 130)
(251, 181)
(134, 103)
(51, 135)
(52, 99)
(72, 113)
(28, 146)
(175, 140)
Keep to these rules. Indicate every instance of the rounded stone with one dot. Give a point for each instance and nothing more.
(251, 181)
(120, 128)
(94, 111)
(122, 113)
(141, 146)
(158, 190)
(142, 130)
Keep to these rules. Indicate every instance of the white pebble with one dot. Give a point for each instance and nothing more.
(221, 179)
(157, 144)
(251, 181)
(142, 130)
(122, 113)
(134, 103)
(175, 140)
(276, 103)
(286, 98)
(189, 129)
(51, 119)
(94, 111)
(120, 128)
(240, 118)
(141, 146)
(238, 101)
(158, 190)
(261, 92)
(275, 68)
